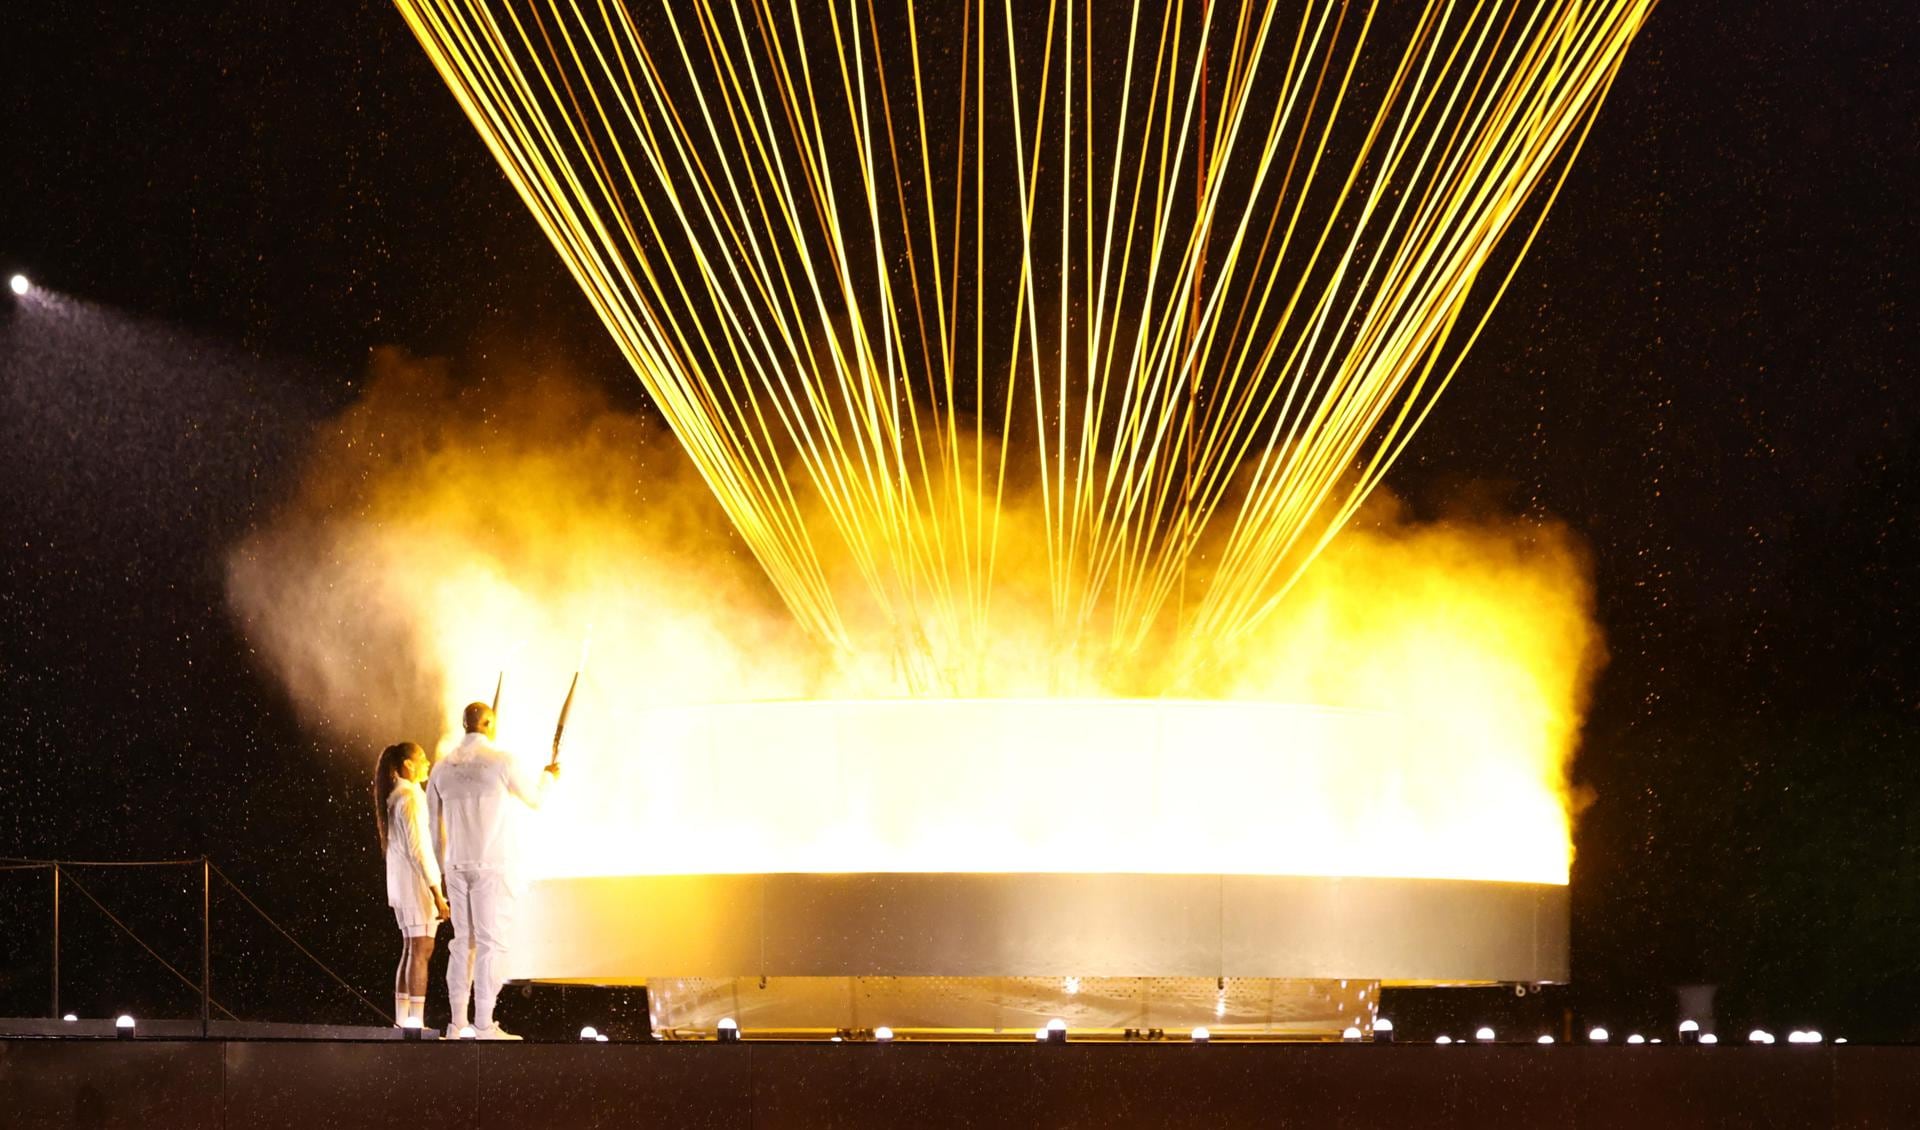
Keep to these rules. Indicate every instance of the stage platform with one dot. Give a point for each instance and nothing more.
(156, 1084)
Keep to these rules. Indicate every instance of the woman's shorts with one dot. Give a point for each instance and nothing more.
(413, 927)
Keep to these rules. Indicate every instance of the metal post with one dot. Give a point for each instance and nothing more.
(55, 1013)
(206, 943)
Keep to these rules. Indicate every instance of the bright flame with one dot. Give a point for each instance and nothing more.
(442, 537)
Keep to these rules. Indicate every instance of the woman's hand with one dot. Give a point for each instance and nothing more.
(441, 906)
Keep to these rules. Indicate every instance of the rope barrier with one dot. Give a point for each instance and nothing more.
(23, 863)
(186, 980)
(235, 888)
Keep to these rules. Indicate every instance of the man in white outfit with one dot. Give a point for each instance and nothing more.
(469, 798)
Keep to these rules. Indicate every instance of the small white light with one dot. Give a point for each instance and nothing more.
(467, 1032)
(1383, 1025)
(1056, 1025)
(1040, 1034)
(410, 1022)
(1796, 1037)
(1709, 1038)
(728, 1022)
(1544, 1040)
(1759, 1036)
(1636, 1038)
(835, 1040)
(883, 1033)
(1689, 1026)
(601, 1038)
(123, 1020)
(1655, 1040)
(69, 1017)
(1444, 1040)
(1597, 1036)
(1350, 1034)
(19, 284)
(1483, 1034)
(1201, 1035)
(589, 1033)
(1839, 1039)
(1811, 1036)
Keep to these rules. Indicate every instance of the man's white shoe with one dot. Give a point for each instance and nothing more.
(495, 1033)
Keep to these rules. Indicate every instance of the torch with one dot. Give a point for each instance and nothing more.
(566, 707)
(496, 690)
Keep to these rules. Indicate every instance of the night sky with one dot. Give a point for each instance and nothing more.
(1705, 367)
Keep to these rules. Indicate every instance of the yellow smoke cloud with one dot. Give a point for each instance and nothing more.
(447, 530)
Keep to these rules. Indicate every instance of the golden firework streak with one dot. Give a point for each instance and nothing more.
(1275, 255)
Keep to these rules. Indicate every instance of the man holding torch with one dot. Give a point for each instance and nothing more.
(468, 809)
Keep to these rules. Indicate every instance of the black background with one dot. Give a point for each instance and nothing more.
(1705, 367)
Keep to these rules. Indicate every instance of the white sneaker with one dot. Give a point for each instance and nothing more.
(495, 1033)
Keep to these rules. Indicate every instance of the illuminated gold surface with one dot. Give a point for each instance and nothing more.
(631, 929)
(1013, 1007)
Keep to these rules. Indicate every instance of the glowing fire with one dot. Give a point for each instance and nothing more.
(436, 544)
(1076, 785)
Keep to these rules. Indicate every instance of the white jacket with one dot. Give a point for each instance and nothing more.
(412, 870)
(468, 807)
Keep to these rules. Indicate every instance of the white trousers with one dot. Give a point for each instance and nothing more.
(482, 929)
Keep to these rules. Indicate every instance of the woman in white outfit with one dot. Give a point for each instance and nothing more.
(413, 875)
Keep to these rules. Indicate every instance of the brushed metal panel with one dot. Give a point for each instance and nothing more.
(620, 930)
(624, 930)
(991, 925)
(1425, 930)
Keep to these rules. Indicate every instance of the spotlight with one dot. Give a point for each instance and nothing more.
(1201, 1035)
(19, 284)
(1836, 1039)
(1689, 1031)
(410, 1028)
(883, 1034)
(1056, 1031)
(589, 1033)
(727, 1032)
(1544, 1040)
(1598, 1036)
(1759, 1036)
(1808, 1037)
(1636, 1038)
(1383, 1031)
(1040, 1035)
(1483, 1034)
(601, 1038)
(1351, 1035)
(1709, 1039)
(69, 1018)
(1443, 1039)
(122, 1024)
